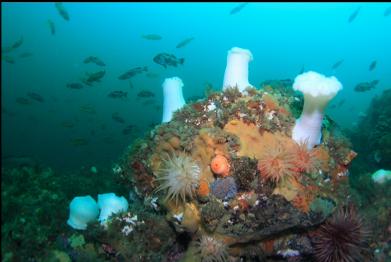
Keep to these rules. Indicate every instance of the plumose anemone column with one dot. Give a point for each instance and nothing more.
(318, 90)
(236, 72)
(173, 97)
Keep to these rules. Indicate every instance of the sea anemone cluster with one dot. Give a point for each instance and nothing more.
(247, 171)
(342, 238)
(180, 175)
(211, 249)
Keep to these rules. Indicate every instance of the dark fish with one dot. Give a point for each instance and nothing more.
(8, 59)
(117, 118)
(337, 64)
(372, 65)
(194, 98)
(145, 93)
(152, 37)
(52, 27)
(18, 161)
(61, 10)
(302, 70)
(341, 102)
(23, 101)
(208, 89)
(25, 55)
(152, 75)
(67, 124)
(79, 142)
(354, 14)
(118, 94)
(365, 86)
(95, 60)
(6, 49)
(18, 43)
(109, 140)
(387, 12)
(75, 85)
(36, 97)
(149, 102)
(184, 42)
(166, 59)
(87, 109)
(94, 77)
(54, 99)
(7, 112)
(158, 108)
(238, 8)
(131, 84)
(128, 130)
(132, 72)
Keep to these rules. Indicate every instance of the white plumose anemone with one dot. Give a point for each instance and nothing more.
(318, 90)
(381, 176)
(236, 72)
(211, 249)
(83, 210)
(180, 175)
(173, 97)
(111, 204)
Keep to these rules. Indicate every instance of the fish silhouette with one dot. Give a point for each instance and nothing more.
(354, 14)
(238, 8)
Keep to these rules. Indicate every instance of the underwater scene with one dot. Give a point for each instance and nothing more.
(190, 132)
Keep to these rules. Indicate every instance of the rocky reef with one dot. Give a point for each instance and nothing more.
(231, 183)
(32, 214)
(373, 135)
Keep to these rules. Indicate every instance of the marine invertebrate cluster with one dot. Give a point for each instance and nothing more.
(342, 238)
(253, 181)
(180, 175)
(211, 249)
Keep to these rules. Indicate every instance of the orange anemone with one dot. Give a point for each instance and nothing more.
(203, 189)
(220, 165)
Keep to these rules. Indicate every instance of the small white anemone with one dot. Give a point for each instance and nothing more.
(381, 176)
(82, 210)
(236, 72)
(180, 175)
(318, 90)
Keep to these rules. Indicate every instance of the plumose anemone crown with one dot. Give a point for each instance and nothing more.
(180, 175)
(316, 84)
